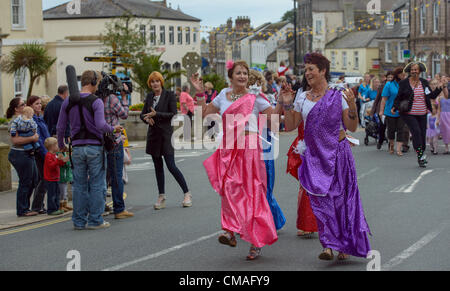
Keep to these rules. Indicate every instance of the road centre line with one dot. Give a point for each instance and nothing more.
(400, 258)
(368, 173)
(409, 188)
(163, 252)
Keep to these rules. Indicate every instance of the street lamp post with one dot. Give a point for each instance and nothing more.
(295, 39)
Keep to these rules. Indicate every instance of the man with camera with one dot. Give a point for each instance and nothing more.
(86, 114)
(115, 109)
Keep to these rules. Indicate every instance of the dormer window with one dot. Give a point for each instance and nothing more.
(405, 17)
(390, 19)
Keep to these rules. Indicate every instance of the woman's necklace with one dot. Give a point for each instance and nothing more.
(316, 96)
(235, 97)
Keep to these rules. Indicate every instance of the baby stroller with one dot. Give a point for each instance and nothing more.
(372, 127)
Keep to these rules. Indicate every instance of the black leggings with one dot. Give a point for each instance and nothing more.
(417, 124)
(176, 173)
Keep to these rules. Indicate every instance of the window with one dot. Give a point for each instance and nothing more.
(390, 19)
(436, 64)
(177, 68)
(405, 17)
(319, 27)
(171, 35)
(162, 35)
(436, 17)
(388, 52)
(423, 18)
(180, 35)
(333, 59)
(344, 60)
(142, 31)
(153, 35)
(188, 35)
(17, 14)
(401, 49)
(19, 84)
(356, 60)
(194, 36)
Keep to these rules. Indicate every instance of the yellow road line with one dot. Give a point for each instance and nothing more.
(35, 226)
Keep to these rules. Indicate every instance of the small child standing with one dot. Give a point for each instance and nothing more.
(52, 166)
(433, 130)
(25, 126)
(65, 179)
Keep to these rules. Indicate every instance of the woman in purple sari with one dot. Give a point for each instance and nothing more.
(328, 171)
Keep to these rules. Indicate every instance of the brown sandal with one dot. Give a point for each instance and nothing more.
(326, 255)
(342, 257)
(228, 239)
(399, 153)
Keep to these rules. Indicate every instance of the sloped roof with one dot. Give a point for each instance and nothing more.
(355, 39)
(264, 34)
(398, 30)
(117, 8)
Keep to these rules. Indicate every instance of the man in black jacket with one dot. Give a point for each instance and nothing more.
(52, 110)
(413, 102)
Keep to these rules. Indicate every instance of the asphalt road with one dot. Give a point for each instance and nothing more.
(407, 208)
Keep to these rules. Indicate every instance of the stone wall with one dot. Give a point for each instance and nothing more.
(5, 168)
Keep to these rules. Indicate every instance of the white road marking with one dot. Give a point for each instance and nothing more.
(368, 173)
(400, 258)
(162, 253)
(408, 188)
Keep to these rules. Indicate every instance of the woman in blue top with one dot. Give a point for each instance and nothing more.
(39, 193)
(393, 121)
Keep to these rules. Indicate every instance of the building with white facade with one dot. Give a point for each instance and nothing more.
(71, 37)
(20, 23)
(266, 41)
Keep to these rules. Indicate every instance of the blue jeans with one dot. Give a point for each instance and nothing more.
(52, 196)
(115, 174)
(26, 169)
(88, 183)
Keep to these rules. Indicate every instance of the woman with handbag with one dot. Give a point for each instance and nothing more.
(413, 102)
(159, 109)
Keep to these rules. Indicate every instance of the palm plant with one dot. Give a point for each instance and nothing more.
(31, 56)
(151, 63)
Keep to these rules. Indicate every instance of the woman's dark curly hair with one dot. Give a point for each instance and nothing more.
(320, 61)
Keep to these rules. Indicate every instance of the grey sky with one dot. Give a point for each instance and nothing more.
(214, 12)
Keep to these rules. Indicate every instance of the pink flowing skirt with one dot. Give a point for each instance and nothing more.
(243, 189)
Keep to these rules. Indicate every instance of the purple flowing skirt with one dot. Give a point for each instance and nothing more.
(340, 215)
(445, 127)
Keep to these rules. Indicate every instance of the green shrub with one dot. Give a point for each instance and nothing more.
(137, 107)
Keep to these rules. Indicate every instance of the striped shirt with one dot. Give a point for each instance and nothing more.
(115, 109)
(419, 106)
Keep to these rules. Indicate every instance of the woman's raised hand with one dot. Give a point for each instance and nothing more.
(197, 83)
(287, 95)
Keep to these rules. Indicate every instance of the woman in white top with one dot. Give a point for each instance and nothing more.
(236, 170)
(328, 171)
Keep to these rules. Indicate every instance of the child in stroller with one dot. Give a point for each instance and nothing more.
(372, 126)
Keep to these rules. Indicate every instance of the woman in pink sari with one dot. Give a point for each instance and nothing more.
(236, 170)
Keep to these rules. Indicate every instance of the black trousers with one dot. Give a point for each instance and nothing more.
(417, 124)
(382, 133)
(176, 173)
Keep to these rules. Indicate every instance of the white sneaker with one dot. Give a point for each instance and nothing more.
(105, 224)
